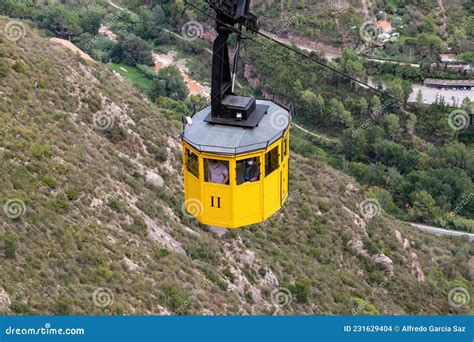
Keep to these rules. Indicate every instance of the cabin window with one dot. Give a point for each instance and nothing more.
(248, 170)
(192, 163)
(272, 159)
(216, 171)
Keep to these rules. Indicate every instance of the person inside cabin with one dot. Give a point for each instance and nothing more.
(251, 171)
(218, 172)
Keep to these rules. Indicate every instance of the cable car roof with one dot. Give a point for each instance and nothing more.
(231, 140)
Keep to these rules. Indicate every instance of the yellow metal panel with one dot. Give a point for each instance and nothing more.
(192, 186)
(285, 167)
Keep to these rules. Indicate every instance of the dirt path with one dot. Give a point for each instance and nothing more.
(443, 12)
(118, 7)
(164, 60)
(67, 44)
(365, 9)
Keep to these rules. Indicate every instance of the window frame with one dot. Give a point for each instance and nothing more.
(205, 163)
(188, 152)
(259, 163)
(276, 158)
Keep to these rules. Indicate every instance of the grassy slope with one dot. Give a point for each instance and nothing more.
(93, 220)
(133, 75)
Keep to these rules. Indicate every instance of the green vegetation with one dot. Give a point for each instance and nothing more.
(95, 219)
(134, 75)
(169, 83)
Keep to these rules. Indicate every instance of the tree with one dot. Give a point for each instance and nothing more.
(430, 47)
(363, 106)
(392, 122)
(419, 97)
(423, 206)
(312, 106)
(147, 26)
(17, 9)
(58, 19)
(339, 113)
(411, 123)
(360, 172)
(169, 83)
(132, 50)
(91, 19)
(407, 89)
(456, 153)
(467, 57)
(395, 88)
(351, 64)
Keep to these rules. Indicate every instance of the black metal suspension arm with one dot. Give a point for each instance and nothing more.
(235, 12)
(228, 108)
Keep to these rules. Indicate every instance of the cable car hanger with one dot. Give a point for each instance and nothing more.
(235, 151)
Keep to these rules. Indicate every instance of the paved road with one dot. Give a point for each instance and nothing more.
(441, 231)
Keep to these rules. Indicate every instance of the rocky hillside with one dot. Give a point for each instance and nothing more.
(92, 219)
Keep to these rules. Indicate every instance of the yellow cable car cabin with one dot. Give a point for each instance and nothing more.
(236, 176)
(235, 152)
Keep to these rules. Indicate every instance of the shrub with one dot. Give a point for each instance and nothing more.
(39, 151)
(169, 83)
(364, 308)
(72, 194)
(138, 226)
(161, 253)
(4, 68)
(10, 246)
(301, 290)
(48, 181)
(19, 67)
(229, 275)
(63, 306)
(177, 299)
(213, 276)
